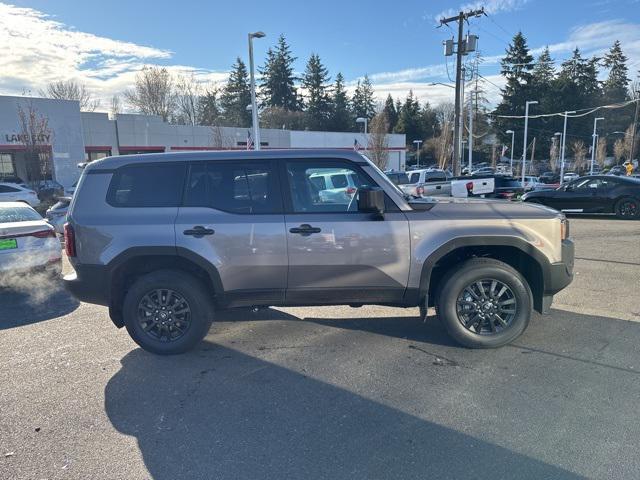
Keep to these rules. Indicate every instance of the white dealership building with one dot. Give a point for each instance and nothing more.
(72, 137)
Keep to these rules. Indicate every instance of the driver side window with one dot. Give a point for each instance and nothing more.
(324, 187)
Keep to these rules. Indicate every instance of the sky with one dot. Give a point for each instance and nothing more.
(103, 44)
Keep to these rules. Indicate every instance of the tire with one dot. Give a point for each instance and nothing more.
(627, 208)
(455, 301)
(161, 292)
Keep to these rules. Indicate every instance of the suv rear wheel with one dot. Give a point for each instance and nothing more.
(484, 303)
(167, 312)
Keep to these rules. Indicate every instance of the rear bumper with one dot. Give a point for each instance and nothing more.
(89, 283)
(560, 274)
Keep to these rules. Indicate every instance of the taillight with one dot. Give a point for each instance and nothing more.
(419, 191)
(469, 186)
(44, 234)
(351, 190)
(69, 240)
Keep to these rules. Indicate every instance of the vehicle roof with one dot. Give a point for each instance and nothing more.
(109, 163)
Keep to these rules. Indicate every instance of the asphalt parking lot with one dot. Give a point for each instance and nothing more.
(332, 392)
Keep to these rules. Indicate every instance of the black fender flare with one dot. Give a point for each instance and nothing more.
(479, 241)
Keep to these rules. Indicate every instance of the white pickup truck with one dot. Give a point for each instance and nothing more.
(427, 182)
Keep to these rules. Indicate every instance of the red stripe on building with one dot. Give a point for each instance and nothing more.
(97, 148)
(129, 148)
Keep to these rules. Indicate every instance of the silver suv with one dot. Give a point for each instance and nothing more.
(165, 240)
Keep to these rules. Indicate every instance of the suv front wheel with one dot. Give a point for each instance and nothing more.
(167, 312)
(485, 303)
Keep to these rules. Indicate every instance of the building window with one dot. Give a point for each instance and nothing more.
(93, 155)
(7, 167)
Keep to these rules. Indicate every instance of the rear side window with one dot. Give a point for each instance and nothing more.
(147, 185)
(233, 187)
(8, 189)
(414, 178)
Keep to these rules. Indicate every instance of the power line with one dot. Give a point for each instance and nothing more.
(589, 111)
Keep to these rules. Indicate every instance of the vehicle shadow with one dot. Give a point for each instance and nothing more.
(219, 413)
(34, 301)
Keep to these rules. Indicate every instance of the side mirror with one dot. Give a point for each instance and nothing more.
(371, 200)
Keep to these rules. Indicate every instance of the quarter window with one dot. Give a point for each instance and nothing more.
(147, 185)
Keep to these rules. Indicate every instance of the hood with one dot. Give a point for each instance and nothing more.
(475, 208)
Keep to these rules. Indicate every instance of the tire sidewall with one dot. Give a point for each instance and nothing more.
(469, 273)
(185, 285)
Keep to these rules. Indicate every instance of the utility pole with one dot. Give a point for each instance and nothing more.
(470, 132)
(464, 47)
(635, 123)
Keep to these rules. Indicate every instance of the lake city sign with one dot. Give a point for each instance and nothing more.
(23, 138)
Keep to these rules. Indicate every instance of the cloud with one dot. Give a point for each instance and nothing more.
(490, 6)
(39, 50)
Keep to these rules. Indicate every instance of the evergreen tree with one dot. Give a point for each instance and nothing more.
(235, 97)
(516, 68)
(209, 113)
(616, 85)
(363, 103)
(409, 119)
(391, 112)
(544, 70)
(278, 82)
(318, 104)
(428, 122)
(542, 90)
(340, 119)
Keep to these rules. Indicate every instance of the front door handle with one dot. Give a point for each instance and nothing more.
(199, 231)
(305, 230)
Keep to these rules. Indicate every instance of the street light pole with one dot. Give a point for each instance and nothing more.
(593, 143)
(417, 142)
(512, 142)
(526, 126)
(254, 107)
(564, 143)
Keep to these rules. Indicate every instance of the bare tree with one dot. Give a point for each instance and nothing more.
(618, 150)
(554, 154)
(153, 93)
(444, 142)
(379, 140)
(601, 151)
(189, 95)
(115, 106)
(36, 137)
(219, 139)
(579, 154)
(71, 90)
(628, 137)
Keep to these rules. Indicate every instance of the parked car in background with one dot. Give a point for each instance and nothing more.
(593, 194)
(530, 182)
(56, 215)
(427, 182)
(334, 185)
(549, 178)
(398, 178)
(27, 242)
(570, 176)
(484, 171)
(617, 170)
(13, 192)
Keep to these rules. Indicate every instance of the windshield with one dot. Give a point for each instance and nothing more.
(18, 214)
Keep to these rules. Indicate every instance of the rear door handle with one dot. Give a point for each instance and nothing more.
(199, 231)
(305, 230)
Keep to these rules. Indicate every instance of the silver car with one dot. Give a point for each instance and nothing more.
(166, 240)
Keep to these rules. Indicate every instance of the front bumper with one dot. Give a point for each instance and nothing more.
(560, 274)
(89, 283)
